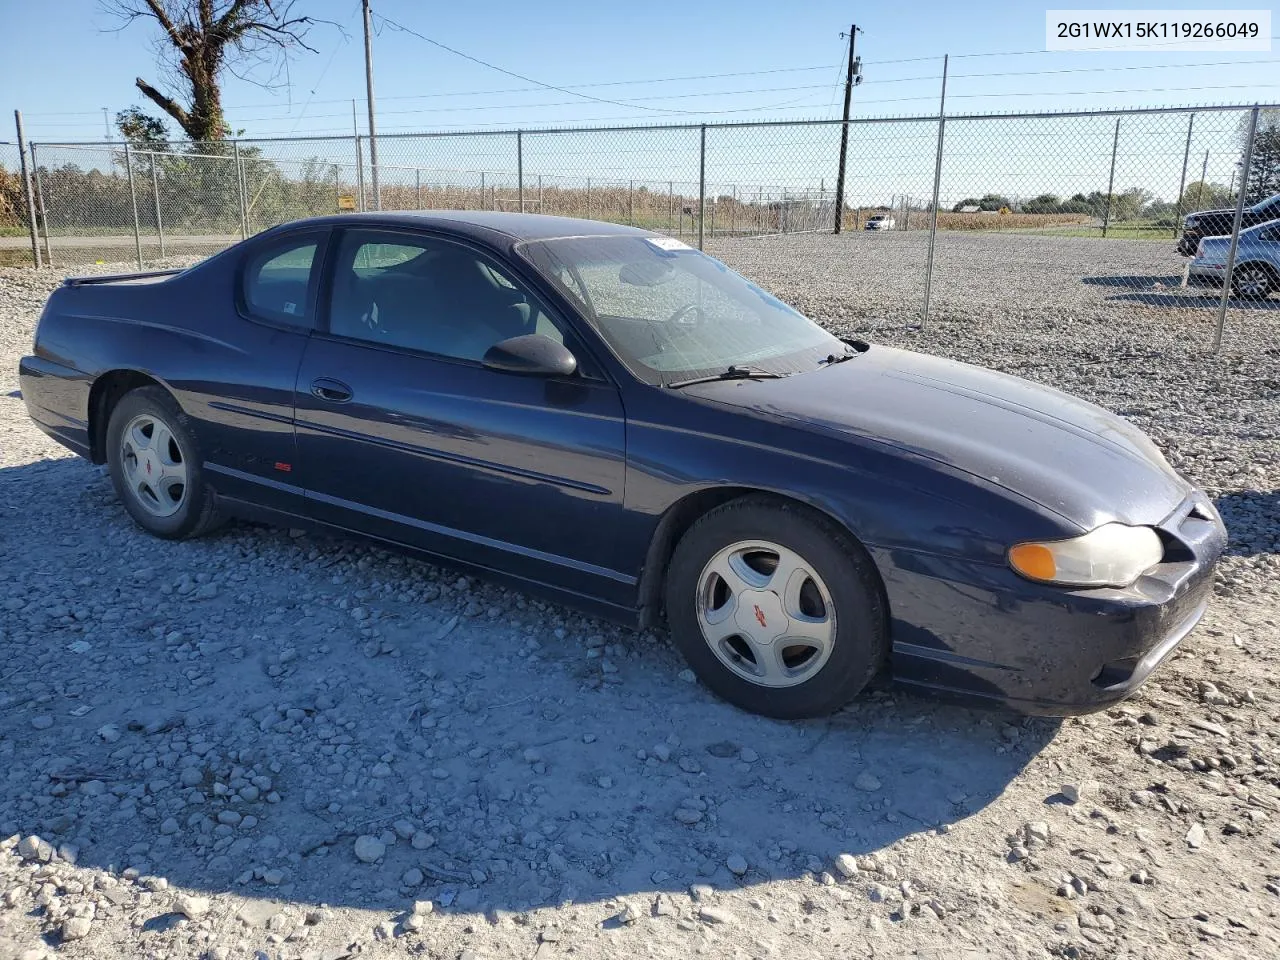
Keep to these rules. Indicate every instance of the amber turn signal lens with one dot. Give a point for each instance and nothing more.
(1033, 560)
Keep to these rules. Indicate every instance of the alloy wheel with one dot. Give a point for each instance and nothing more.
(155, 468)
(1252, 282)
(766, 613)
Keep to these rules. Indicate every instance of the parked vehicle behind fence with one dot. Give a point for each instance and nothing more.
(1257, 268)
(1218, 223)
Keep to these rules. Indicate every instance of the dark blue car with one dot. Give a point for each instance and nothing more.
(609, 416)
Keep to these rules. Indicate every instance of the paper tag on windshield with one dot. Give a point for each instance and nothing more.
(668, 243)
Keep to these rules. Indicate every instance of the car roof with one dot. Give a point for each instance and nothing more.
(481, 224)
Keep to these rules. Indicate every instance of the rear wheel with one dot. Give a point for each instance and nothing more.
(155, 467)
(1252, 282)
(776, 609)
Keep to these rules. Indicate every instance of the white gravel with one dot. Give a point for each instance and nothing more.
(309, 748)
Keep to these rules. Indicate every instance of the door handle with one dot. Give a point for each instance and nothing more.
(335, 391)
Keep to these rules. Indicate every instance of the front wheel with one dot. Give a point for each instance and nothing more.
(154, 466)
(776, 609)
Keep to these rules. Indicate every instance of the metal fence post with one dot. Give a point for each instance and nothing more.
(26, 188)
(1204, 172)
(1111, 181)
(133, 199)
(1235, 229)
(540, 210)
(670, 191)
(481, 205)
(359, 170)
(631, 203)
(42, 212)
(417, 187)
(702, 183)
(520, 170)
(240, 199)
(1182, 183)
(155, 194)
(588, 211)
(937, 190)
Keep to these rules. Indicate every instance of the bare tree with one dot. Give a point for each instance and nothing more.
(201, 38)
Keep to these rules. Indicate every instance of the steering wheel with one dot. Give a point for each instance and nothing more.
(690, 315)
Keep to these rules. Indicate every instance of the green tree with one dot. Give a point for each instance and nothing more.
(1045, 203)
(1264, 167)
(1130, 204)
(199, 39)
(142, 130)
(1202, 195)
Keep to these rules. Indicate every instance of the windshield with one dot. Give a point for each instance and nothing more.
(671, 313)
(1267, 205)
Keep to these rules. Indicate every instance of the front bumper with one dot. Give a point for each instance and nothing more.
(979, 632)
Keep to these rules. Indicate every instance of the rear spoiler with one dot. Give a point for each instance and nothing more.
(118, 277)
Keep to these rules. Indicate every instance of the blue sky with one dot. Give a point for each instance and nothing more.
(422, 87)
(717, 60)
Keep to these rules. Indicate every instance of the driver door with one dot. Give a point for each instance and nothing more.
(403, 433)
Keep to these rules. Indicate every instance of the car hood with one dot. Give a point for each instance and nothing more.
(1069, 456)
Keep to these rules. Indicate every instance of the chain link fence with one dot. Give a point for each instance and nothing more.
(1090, 203)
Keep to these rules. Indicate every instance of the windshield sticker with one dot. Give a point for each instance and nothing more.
(667, 243)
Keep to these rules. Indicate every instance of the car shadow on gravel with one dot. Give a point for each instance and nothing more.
(304, 719)
(1249, 510)
(1194, 300)
(1130, 282)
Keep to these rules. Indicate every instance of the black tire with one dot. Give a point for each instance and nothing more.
(198, 512)
(861, 630)
(1255, 273)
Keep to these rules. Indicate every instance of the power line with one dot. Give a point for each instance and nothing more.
(558, 103)
(395, 25)
(834, 86)
(1077, 93)
(1025, 53)
(571, 86)
(1144, 66)
(328, 63)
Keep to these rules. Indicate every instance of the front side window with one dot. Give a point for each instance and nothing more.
(428, 294)
(670, 312)
(277, 281)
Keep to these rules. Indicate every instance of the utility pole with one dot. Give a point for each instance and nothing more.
(368, 81)
(106, 125)
(854, 71)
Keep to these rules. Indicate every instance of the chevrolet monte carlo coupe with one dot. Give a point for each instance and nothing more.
(611, 417)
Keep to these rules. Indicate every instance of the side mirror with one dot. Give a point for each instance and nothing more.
(533, 354)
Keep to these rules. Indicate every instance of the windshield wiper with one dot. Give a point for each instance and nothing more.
(855, 347)
(732, 372)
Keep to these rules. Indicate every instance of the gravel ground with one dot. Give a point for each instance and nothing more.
(263, 744)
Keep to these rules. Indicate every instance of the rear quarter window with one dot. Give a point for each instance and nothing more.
(278, 281)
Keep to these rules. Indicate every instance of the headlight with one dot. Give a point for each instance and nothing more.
(1192, 222)
(1114, 555)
